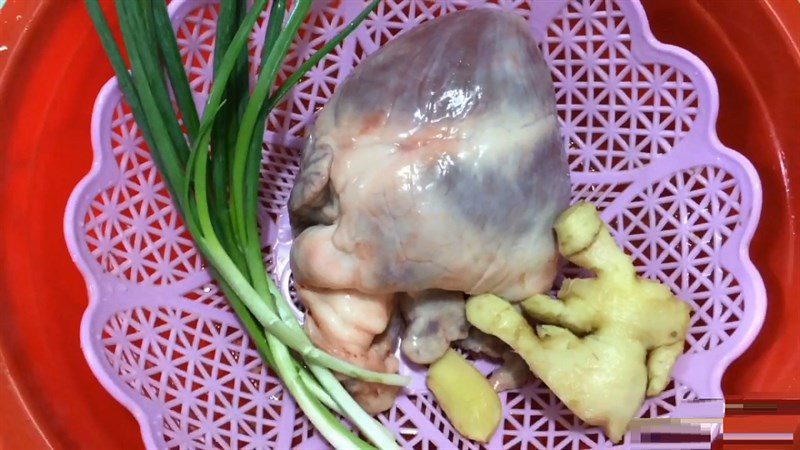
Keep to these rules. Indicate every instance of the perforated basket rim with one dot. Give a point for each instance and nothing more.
(641, 37)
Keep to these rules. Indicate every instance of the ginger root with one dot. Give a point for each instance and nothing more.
(607, 342)
(466, 397)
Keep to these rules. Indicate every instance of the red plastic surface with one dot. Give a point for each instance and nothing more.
(49, 396)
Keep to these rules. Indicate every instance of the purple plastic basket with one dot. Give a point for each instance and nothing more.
(638, 120)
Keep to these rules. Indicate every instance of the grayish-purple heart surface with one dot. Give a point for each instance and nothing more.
(437, 164)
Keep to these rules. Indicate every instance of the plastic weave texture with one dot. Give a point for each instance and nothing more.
(638, 121)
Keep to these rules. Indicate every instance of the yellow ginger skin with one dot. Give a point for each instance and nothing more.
(466, 396)
(607, 341)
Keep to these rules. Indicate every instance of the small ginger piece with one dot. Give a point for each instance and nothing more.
(466, 397)
(607, 342)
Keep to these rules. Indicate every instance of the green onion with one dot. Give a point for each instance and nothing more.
(139, 42)
(214, 180)
(223, 135)
(172, 59)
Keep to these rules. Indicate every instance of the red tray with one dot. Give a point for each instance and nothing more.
(55, 66)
